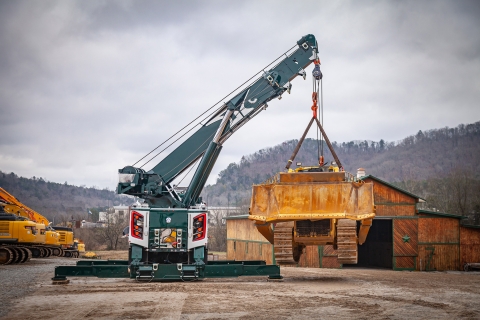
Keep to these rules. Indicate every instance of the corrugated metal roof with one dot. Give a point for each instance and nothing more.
(470, 226)
(243, 216)
(442, 214)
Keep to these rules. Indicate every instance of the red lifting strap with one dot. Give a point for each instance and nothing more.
(314, 106)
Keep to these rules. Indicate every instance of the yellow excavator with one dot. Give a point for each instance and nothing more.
(18, 239)
(48, 240)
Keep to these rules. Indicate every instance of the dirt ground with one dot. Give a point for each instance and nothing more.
(303, 294)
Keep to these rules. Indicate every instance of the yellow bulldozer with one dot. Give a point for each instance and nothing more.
(317, 205)
(298, 209)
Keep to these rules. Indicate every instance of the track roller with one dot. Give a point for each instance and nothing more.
(283, 243)
(347, 247)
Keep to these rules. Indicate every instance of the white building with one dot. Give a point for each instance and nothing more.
(113, 214)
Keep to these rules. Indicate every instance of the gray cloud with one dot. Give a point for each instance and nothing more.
(89, 87)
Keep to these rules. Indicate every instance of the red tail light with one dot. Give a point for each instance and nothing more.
(136, 225)
(199, 226)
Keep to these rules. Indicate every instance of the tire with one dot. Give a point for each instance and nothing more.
(18, 255)
(27, 254)
(56, 251)
(36, 252)
(43, 252)
(6, 255)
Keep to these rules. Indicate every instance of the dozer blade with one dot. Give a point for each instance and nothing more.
(311, 196)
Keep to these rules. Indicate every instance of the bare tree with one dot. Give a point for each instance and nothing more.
(217, 232)
(458, 193)
(111, 234)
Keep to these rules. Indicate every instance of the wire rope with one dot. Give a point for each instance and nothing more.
(176, 133)
(185, 133)
(193, 165)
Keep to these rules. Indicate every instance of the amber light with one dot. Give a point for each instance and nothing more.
(199, 226)
(136, 225)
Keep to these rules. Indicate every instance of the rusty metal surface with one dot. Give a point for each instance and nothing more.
(315, 200)
(363, 232)
(308, 177)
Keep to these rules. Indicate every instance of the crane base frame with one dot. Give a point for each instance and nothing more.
(166, 272)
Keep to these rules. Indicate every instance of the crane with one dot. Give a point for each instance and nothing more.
(168, 232)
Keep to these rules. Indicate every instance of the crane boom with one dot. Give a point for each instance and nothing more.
(206, 143)
(26, 211)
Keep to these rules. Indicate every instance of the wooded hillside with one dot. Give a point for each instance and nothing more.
(59, 201)
(440, 165)
(412, 163)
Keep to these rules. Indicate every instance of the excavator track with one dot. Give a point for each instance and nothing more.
(283, 243)
(347, 247)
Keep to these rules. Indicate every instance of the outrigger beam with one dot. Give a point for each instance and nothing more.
(166, 272)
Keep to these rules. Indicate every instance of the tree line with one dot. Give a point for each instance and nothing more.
(422, 163)
(60, 202)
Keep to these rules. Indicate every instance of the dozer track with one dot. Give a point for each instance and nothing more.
(283, 243)
(347, 247)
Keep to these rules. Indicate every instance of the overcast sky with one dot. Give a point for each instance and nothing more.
(88, 87)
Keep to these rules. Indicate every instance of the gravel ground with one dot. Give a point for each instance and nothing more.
(20, 280)
(351, 293)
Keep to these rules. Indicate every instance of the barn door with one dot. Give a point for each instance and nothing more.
(405, 244)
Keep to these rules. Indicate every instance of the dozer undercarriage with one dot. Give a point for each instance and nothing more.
(297, 209)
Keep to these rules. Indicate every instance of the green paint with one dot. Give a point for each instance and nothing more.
(428, 264)
(199, 253)
(438, 243)
(240, 217)
(136, 252)
(441, 214)
(167, 272)
(406, 238)
(254, 241)
(274, 262)
(394, 217)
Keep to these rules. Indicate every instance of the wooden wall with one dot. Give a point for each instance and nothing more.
(438, 243)
(391, 202)
(244, 242)
(405, 244)
(311, 257)
(243, 229)
(469, 245)
(329, 258)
